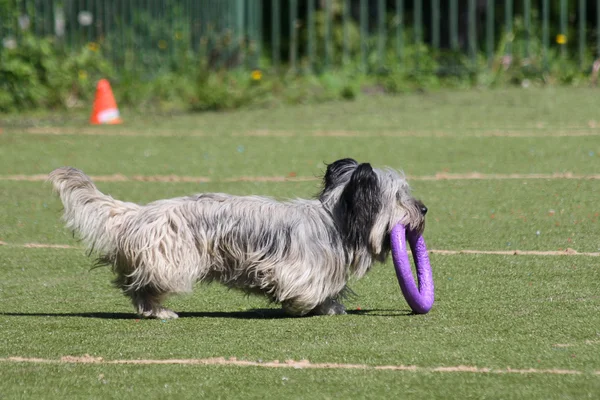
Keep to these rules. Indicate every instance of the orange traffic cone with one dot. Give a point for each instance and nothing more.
(105, 107)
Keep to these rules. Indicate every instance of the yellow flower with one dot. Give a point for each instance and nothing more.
(82, 75)
(256, 75)
(178, 35)
(162, 44)
(93, 46)
(561, 39)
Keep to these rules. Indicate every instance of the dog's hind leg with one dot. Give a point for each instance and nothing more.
(146, 299)
(329, 307)
(147, 303)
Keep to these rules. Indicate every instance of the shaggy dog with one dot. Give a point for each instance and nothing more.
(299, 253)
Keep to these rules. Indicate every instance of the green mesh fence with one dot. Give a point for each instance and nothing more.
(311, 35)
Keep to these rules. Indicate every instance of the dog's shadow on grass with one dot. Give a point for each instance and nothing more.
(258, 313)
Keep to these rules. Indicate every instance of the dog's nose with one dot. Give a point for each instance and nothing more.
(423, 210)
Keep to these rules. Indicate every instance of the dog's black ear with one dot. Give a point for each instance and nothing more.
(336, 175)
(337, 170)
(361, 202)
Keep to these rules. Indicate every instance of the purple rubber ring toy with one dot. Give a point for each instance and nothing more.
(420, 300)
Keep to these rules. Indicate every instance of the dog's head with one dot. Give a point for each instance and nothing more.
(367, 203)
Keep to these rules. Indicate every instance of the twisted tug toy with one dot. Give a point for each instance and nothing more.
(420, 300)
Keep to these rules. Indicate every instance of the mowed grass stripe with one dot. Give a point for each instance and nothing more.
(181, 381)
(226, 157)
(468, 133)
(441, 176)
(547, 109)
(566, 252)
(301, 364)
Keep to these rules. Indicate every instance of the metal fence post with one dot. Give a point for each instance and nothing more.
(399, 30)
(328, 39)
(545, 31)
(363, 34)
(311, 33)
(381, 32)
(527, 20)
(489, 31)
(454, 25)
(597, 28)
(293, 34)
(508, 16)
(582, 16)
(259, 20)
(563, 27)
(276, 33)
(418, 22)
(472, 35)
(346, 34)
(435, 24)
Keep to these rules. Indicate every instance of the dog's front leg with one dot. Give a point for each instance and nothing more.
(148, 305)
(329, 307)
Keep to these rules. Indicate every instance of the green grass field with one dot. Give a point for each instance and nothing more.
(503, 326)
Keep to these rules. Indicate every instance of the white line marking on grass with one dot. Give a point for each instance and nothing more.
(449, 135)
(441, 176)
(302, 364)
(566, 252)
(49, 246)
(41, 246)
(576, 132)
(56, 131)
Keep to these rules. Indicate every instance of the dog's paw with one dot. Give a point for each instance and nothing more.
(162, 313)
(329, 307)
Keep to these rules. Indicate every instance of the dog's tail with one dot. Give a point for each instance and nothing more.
(92, 215)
